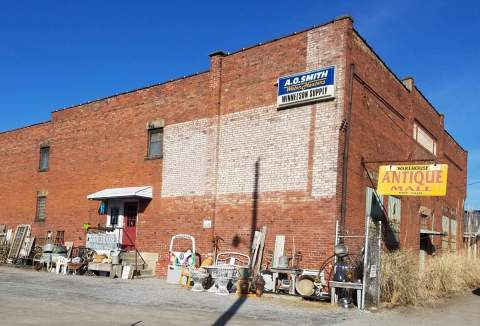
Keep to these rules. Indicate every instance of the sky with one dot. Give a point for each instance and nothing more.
(55, 54)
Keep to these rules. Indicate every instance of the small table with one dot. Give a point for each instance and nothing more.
(100, 267)
(294, 272)
(346, 285)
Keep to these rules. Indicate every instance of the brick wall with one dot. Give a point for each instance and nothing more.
(383, 114)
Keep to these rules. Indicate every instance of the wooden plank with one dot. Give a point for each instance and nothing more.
(255, 245)
(127, 272)
(260, 251)
(279, 249)
(346, 285)
(277, 253)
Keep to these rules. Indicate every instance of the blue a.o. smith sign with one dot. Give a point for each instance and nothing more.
(306, 87)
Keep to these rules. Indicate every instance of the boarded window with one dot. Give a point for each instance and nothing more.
(394, 218)
(424, 138)
(44, 158)
(155, 142)
(374, 204)
(446, 231)
(453, 234)
(41, 205)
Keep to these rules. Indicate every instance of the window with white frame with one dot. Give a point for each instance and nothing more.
(424, 138)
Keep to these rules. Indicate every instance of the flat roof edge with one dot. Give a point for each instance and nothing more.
(290, 34)
(25, 127)
(132, 91)
(454, 140)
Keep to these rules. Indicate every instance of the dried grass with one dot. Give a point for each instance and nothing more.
(444, 275)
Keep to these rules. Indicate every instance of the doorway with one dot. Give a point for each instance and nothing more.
(130, 211)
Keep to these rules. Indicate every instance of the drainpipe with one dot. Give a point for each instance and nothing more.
(346, 144)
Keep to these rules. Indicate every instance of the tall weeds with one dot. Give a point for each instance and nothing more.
(444, 275)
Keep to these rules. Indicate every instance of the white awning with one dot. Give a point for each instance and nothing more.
(431, 232)
(142, 192)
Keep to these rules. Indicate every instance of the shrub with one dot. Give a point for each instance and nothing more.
(444, 275)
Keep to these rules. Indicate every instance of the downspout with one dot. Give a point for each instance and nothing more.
(347, 127)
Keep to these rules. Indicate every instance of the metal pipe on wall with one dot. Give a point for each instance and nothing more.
(343, 209)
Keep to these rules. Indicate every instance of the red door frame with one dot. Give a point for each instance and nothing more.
(130, 219)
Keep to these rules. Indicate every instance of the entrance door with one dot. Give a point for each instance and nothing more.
(129, 225)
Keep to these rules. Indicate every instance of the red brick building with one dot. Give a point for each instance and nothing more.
(216, 147)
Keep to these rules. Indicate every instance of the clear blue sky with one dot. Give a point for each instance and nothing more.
(60, 53)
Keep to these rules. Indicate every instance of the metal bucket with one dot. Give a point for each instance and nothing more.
(59, 249)
(115, 258)
(48, 247)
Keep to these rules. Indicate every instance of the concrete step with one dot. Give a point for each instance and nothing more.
(148, 269)
(146, 274)
(128, 255)
(139, 266)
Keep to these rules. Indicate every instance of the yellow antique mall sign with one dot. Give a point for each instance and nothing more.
(413, 180)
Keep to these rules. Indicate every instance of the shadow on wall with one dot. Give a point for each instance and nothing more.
(230, 313)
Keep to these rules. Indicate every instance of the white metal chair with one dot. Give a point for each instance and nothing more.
(233, 258)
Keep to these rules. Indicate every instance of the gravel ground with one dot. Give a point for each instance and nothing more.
(36, 298)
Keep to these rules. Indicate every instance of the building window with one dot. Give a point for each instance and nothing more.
(41, 204)
(424, 138)
(155, 143)
(44, 156)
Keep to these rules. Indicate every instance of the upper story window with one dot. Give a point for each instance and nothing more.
(44, 158)
(41, 205)
(155, 143)
(424, 138)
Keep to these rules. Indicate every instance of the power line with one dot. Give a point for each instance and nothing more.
(472, 183)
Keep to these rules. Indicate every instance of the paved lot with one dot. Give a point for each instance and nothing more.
(33, 298)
